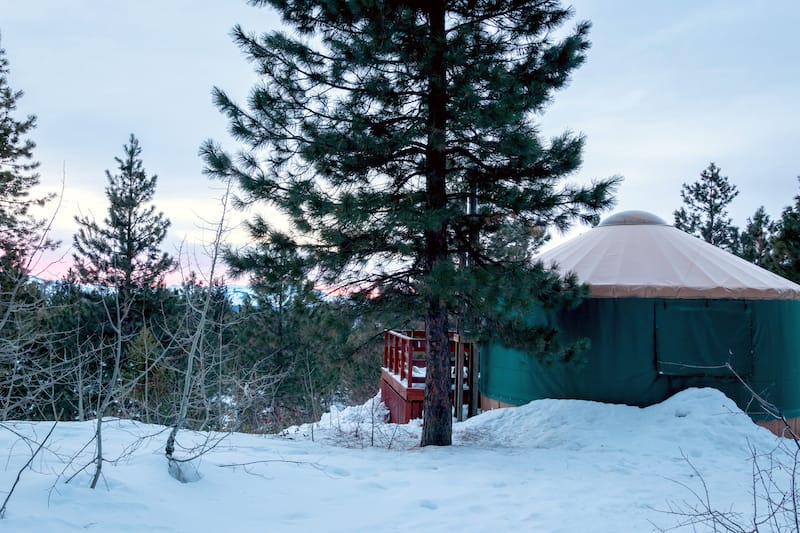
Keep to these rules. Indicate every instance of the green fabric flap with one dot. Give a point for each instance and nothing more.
(698, 338)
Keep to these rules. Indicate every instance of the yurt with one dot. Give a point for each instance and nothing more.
(666, 311)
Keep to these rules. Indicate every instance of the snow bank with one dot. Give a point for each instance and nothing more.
(551, 465)
(359, 426)
(691, 417)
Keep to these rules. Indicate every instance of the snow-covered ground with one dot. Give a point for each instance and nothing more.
(552, 465)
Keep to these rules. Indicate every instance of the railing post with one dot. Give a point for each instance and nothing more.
(399, 356)
(473, 379)
(458, 370)
(386, 350)
(409, 363)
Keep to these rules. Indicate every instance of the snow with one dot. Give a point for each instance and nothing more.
(551, 465)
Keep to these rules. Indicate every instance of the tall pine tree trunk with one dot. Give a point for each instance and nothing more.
(437, 425)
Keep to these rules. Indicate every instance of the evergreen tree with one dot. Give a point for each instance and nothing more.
(515, 240)
(77, 333)
(21, 233)
(275, 329)
(151, 380)
(785, 260)
(204, 346)
(375, 124)
(123, 252)
(755, 240)
(705, 212)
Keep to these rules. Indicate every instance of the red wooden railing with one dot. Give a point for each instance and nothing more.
(404, 352)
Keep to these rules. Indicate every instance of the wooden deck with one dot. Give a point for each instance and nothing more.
(403, 374)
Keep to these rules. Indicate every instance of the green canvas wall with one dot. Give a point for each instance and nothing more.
(644, 350)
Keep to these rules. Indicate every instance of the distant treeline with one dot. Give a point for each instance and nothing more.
(66, 350)
(771, 244)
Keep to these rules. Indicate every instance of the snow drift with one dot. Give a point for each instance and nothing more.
(551, 465)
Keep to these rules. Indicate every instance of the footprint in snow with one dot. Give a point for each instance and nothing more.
(427, 504)
(341, 472)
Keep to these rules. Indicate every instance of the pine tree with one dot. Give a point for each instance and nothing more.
(22, 237)
(21, 233)
(123, 252)
(515, 240)
(374, 126)
(705, 213)
(755, 239)
(785, 259)
(276, 326)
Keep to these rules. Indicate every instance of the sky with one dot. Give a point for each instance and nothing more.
(668, 87)
(555, 466)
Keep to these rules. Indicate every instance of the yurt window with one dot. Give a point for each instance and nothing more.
(699, 337)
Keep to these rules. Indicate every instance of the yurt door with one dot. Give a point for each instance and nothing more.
(701, 337)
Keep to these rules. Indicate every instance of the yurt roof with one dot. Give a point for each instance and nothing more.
(636, 254)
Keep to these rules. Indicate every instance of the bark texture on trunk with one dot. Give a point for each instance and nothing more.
(437, 425)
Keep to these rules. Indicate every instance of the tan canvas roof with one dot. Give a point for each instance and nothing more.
(636, 254)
